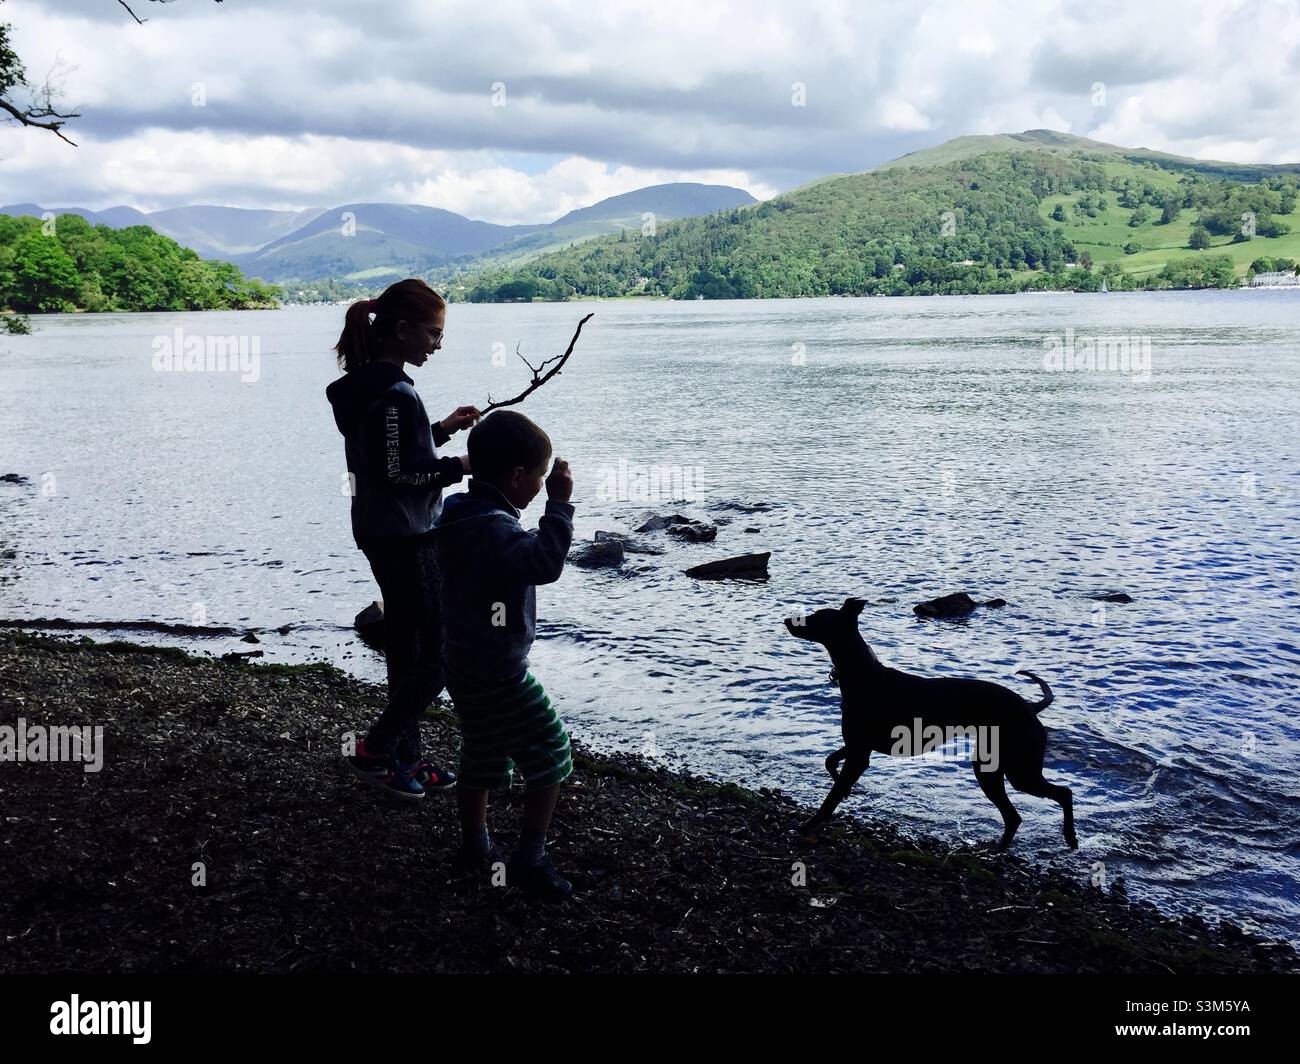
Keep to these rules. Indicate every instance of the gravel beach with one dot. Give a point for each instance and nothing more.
(222, 834)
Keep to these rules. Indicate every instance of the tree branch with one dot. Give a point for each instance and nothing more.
(539, 378)
(141, 21)
(32, 116)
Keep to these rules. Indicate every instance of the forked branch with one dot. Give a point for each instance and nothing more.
(540, 373)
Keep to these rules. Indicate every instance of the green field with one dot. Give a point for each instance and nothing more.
(1104, 237)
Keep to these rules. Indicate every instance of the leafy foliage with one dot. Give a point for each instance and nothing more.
(80, 266)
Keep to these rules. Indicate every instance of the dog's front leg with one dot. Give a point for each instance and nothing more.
(854, 766)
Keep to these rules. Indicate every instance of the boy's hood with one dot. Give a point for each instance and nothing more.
(465, 513)
(356, 392)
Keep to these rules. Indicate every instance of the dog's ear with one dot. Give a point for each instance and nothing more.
(853, 606)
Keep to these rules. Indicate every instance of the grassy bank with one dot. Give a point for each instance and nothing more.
(235, 767)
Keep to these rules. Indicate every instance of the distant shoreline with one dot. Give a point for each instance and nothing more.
(669, 299)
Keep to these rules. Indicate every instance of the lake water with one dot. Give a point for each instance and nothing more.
(893, 449)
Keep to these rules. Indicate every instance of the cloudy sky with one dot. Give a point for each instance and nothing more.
(520, 110)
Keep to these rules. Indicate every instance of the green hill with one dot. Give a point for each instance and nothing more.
(959, 148)
(1035, 210)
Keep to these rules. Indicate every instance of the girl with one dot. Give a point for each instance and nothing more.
(396, 479)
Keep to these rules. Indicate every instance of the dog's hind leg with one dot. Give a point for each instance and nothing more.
(833, 762)
(854, 765)
(993, 784)
(1040, 788)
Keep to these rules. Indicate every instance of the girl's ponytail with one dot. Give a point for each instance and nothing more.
(356, 344)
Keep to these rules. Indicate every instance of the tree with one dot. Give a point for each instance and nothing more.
(1058, 213)
(44, 275)
(1200, 238)
(96, 268)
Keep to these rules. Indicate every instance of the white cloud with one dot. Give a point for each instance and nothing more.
(158, 168)
(899, 114)
(334, 102)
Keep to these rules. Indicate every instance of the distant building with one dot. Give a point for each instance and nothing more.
(1277, 278)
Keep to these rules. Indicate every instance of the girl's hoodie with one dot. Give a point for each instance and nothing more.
(392, 453)
(488, 566)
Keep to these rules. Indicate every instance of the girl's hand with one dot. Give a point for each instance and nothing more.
(464, 463)
(460, 418)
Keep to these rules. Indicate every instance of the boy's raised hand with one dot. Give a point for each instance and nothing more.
(559, 482)
(460, 418)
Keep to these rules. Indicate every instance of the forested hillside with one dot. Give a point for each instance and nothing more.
(70, 264)
(1002, 221)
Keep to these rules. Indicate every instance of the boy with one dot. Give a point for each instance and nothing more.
(489, 566)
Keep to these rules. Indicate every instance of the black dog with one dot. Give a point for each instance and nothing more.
(880, 709)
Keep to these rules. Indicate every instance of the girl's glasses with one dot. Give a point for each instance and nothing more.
(434, 334)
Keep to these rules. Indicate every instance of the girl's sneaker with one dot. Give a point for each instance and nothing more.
(387, 773)
(364, 763)
(399, 781)
(434, 778)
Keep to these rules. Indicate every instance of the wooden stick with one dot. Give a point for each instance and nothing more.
(538, 377)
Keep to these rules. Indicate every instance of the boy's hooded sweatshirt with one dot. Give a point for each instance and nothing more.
(392, 453)
(488, 567)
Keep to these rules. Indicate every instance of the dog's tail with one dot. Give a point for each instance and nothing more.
(1047, 698)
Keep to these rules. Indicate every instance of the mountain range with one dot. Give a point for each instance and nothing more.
(369, 242)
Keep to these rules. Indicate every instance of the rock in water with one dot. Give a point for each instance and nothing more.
(954, 607)
(745, 567)
(603, 554)
(684, 528)
(250, 637)
(631, 545)
(694, 532)
(369, 623)
(13, 478)
(947, 607)
(1113, 596)
(657, 523)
